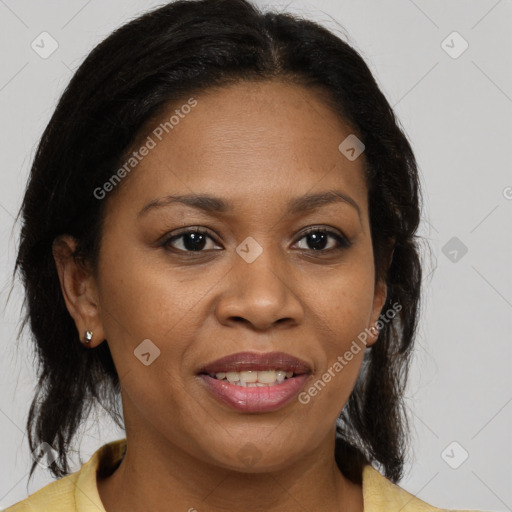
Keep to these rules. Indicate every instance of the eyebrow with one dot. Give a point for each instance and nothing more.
(212, 204)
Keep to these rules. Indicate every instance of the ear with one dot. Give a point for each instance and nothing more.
(79, 289)
(379, 298)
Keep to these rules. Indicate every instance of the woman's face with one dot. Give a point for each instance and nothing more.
(254, 282)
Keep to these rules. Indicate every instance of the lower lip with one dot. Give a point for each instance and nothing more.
(256, 399)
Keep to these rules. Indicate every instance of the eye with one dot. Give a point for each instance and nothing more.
(196, 240)
(318, 238)
(192, 240)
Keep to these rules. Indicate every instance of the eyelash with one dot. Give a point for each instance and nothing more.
(343, 242)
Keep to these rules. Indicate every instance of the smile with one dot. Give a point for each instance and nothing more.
(253, 378)
(254, 382)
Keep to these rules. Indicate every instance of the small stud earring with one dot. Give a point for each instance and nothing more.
(87, 336)
(374, 329)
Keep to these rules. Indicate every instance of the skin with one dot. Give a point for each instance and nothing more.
(256, 145)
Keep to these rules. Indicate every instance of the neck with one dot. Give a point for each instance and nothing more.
(155, 474)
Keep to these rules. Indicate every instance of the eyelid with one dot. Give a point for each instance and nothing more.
(168, 237)
(190, 229)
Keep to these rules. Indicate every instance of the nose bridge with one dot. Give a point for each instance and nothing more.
(258, 288)
(259, 268)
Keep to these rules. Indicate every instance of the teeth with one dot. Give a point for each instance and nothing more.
(267, 377)
(248, 377)
(280, 375)
(251, 378)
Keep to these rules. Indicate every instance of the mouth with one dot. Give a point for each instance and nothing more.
(254, 378)
(253, 382)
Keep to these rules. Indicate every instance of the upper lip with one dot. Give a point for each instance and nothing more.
(256, 361)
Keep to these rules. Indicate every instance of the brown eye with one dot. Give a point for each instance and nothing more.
(318, 240)
(191, 241)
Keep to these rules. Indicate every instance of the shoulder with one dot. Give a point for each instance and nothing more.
(382, 495)
(55, 496)
(76, 492)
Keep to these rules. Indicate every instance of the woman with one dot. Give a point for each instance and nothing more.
(220, 229)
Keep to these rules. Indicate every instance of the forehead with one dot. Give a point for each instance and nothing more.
(245, 139)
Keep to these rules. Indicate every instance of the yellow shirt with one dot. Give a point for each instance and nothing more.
(78, 491)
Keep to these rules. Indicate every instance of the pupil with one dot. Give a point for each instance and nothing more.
(317, 240)
(197, 241)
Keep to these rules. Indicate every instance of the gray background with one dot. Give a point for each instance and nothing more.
(457, 113)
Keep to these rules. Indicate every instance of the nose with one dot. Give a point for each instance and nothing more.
(261, 294)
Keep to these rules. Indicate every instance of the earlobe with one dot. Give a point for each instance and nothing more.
(78, 289)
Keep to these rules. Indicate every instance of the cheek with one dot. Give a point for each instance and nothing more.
(141, 301)
(151, 316)
(343, 303)
(342, 309)
(143, 296)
